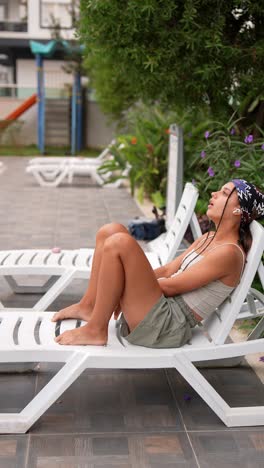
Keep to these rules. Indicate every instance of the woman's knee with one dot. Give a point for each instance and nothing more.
(120, 242)
(109, 230)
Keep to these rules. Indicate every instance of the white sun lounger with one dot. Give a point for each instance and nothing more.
(27, 336)
(53, 174)
(67, 265)
(97, 161)
(52, 171)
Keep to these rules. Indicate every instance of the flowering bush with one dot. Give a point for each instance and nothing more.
(223, 155)
(145, 151)
(145, 148)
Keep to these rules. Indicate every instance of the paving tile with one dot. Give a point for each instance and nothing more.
(13, 450)
(124, 401)
(238, 386)
(119, 451)
(232, 449)
(16, 391)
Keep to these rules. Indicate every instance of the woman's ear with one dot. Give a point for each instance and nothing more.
(237, 211)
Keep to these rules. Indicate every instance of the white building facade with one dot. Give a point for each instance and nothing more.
(25, 20)
(34, 19)
(40, 20)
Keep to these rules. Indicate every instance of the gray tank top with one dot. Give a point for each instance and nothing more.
(206, 299)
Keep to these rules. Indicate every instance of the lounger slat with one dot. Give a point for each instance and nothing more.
(50, 160)
(83, 258)
(4, 254)
(40, 258)
(153, 259)
(68, 257)
(54, 259)
(12, 257)
(26, 258)
(90, 261)
(7, 326)
(47, 329)
(68, 325)
(26, 329)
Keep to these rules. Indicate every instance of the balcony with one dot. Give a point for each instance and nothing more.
(13, 26)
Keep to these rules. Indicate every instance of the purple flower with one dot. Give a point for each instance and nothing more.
(210, 172)
(249, 139)
(261, 359)
(237, 163)
(193, 181)
(207, 134)
(232, 131)
(262, 147)
(203, 154)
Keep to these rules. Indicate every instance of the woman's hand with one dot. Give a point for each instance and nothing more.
(161, 283)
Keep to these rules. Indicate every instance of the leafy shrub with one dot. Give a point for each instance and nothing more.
(224, 155)
(214, 153)
(145, 148)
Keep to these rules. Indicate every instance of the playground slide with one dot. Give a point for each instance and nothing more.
(22, 108)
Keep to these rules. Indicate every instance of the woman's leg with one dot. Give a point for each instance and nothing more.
(125, 276)
(83, 309)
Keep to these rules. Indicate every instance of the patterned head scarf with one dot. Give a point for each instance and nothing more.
(251, 201)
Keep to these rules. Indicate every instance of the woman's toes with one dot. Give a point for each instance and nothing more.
(55, 317)
(82, 336)
(62, 339)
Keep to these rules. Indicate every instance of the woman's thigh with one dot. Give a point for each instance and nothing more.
(142, 290)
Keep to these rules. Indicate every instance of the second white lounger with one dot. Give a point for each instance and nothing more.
(66, 265)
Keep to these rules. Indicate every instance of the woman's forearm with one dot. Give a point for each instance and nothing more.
(168, 287)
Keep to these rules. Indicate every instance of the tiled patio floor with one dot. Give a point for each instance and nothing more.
(109, 419)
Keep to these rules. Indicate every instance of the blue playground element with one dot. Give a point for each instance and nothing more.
(47, 50)
(41, 103)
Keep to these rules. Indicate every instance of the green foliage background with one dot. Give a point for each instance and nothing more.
(179, 52)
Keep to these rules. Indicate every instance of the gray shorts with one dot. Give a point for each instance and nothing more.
(167, 325)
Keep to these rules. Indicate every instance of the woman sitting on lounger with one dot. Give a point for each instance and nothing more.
(160, 307)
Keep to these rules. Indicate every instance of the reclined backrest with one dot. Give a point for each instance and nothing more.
(221, 322)
(184, 213)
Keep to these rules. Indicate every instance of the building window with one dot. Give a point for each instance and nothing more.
(3, 11)
(55, 14)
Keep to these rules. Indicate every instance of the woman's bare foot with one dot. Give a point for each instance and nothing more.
(77, 311)
(83, 336)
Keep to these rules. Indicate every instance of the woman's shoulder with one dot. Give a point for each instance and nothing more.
(202, 238)
(229, 253)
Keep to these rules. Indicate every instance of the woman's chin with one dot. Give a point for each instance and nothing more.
(210, 215)
(208, 212)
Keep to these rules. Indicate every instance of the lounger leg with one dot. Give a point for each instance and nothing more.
(57, 179)
(96, 177)
(258, 330)
(261, 273)
(253, 307)
(21, 422)
(232, 417)
(24, 289)
(202, 387)
(55, 290)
